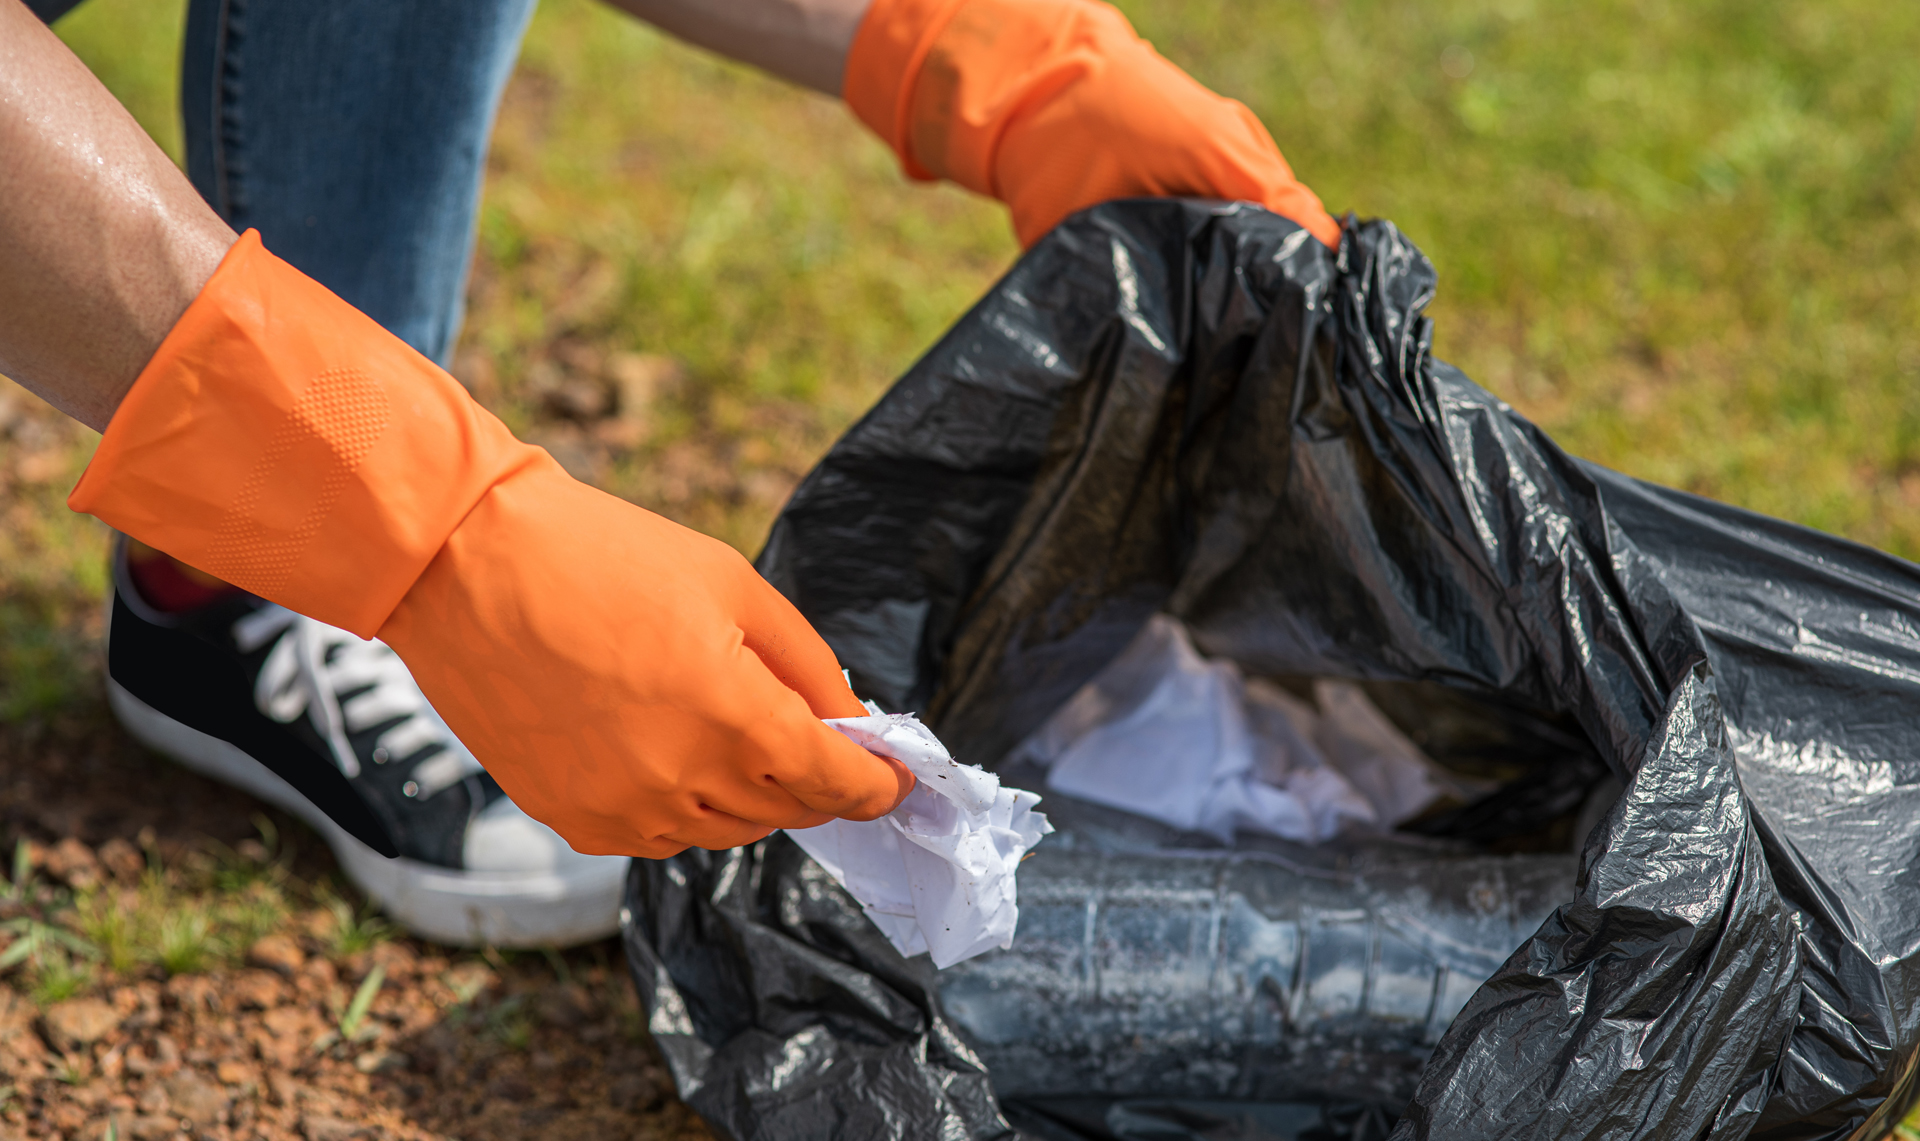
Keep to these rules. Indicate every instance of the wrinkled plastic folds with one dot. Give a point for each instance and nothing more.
(1196, 409)
(937, 875)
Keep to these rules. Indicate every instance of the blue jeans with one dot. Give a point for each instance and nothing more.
(353, 135)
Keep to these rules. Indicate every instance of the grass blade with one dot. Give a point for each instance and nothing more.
(19, 949)
(72, 942)
(22, 868)
(362, 999)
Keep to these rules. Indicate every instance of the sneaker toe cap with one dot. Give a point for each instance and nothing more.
(502, 838)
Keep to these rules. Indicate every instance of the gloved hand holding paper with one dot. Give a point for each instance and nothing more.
(937, 873)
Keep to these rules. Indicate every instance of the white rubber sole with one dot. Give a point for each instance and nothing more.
(442, 905)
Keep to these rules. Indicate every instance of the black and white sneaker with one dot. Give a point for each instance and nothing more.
(332, 728)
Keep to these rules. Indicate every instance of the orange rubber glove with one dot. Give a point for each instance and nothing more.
(1052, 106)
(633, 684)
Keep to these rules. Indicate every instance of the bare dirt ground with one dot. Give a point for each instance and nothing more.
(197, 961)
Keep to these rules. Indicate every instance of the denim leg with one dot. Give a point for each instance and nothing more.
(353, 135)
(51, 10)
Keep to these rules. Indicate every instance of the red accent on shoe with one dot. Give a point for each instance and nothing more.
(164, 585)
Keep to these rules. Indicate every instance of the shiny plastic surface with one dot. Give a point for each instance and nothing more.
(1143, 970)
(1197, 409)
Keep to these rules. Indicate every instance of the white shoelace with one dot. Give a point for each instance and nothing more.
(313, 664)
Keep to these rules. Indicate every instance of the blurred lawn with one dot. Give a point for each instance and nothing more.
(1682, 237)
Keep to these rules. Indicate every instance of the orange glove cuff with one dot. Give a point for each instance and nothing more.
(1052, 106)
(283, 441)
(888, 51)
(630, 682)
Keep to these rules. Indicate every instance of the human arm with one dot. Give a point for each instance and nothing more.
(633, 684)
(1048, 105)
(103, 243)
(802, 41)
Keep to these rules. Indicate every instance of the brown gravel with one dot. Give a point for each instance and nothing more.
(455, 1045)
(529, 1057)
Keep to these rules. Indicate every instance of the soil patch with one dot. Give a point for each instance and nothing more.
(194, 967)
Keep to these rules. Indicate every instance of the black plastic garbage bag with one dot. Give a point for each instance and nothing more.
(1197, 409)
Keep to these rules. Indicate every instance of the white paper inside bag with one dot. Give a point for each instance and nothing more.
(1167, 734)
(936, 874)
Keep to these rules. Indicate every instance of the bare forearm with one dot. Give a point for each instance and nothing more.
(103, 242)
(804, 41)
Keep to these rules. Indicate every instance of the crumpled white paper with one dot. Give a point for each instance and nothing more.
(936, 874)
(1166, 733)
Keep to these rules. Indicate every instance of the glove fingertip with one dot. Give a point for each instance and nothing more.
(848, 781)
(888, 799)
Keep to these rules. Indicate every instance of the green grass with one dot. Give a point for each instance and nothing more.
(353, 930)
(133, 46)
(1682, 237)
(179, 920)
(52, 580)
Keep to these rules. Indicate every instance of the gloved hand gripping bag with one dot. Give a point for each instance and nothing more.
(1193, 408)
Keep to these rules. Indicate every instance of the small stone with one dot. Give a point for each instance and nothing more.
(319, 974)
(287, 1021)
(356, 966)
(233, 1073)
(166, 1054)
(283, 1088)
(467, 980)
(66, 1117)
(141, 1001)
(318, 924)
(257, 990)
(113, 1063)
(277, 953)
(79, 1022)
(149, 1127)
(73, 863)
(380, 1061)
(16, 1013)
(316, 1127)
(122, 859)
(153, 1100)
(193, 992)
(196, 1099)
(397, 959)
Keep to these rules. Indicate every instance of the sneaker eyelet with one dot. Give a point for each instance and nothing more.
(411, 788)
(380, 755)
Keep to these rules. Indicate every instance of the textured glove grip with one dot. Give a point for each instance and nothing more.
(283, 441)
